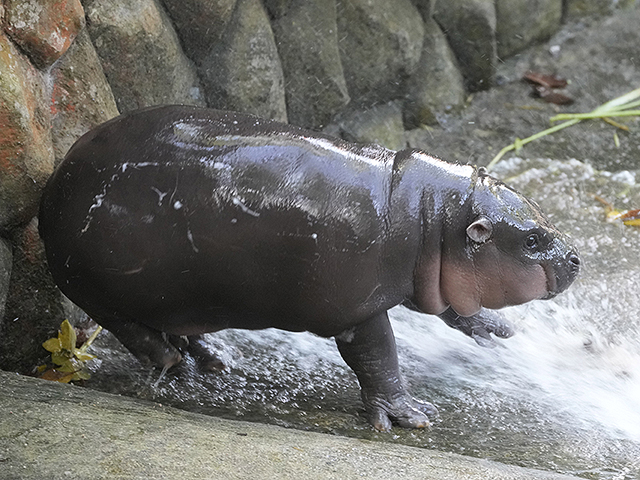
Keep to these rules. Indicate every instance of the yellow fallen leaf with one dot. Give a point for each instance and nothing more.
(57, 376)
(628, 217)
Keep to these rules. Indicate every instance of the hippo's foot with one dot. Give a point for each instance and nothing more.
(206, 359)
(370, 350)
(197, 347)
(150, 346)
(403, 410)
(480, 326)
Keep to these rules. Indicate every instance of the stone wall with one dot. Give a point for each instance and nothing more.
(362, 69)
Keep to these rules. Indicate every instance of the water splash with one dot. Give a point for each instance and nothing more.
(556, 362)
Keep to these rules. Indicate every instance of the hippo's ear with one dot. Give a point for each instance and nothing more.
(480, 230)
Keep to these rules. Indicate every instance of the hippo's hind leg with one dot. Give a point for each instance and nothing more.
(479, 326)
(153, 347)
(201, 352)
(150, 346)
(370, 350)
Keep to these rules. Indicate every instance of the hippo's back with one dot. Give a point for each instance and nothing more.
(177, 213)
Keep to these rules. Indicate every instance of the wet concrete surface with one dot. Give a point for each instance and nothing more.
(54, 431)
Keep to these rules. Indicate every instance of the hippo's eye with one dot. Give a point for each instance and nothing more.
(532, 241)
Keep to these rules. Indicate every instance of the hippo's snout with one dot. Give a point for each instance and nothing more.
(564, 273)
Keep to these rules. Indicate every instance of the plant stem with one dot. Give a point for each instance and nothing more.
(618, 107)
(90, 340)
(594, 114)
(524, 141)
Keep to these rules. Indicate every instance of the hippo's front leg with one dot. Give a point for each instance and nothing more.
(479, 326)
(370, 350)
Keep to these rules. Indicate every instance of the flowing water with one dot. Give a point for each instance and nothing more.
(563, 394)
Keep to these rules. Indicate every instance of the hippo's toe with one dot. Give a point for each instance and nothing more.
(405, 411)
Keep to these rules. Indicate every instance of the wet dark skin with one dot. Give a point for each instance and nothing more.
(175, 221)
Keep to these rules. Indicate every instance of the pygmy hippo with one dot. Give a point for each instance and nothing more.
(176, 221)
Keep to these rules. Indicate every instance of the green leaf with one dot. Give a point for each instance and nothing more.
(60, 358)
(81, 375)
(68, 367)
(52, 345)
(67, 336)
(619, 101)
(83, 357)
(68, 359)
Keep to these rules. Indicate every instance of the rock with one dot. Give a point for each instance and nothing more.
(381, 124)
(521, 23)
(81, 97)
(425, 7)
(580, 8)
(141, 54)
(44, 29)
(470, 27)
(242, 71)
(380, 45)
(276, 8)
(33, 308)
(48, 430)
(232, 45)
(26, 154)
(437, 85)
(199, 23)
(307, 37)
(6, 262)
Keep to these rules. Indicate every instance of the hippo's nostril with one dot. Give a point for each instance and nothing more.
(574, 259)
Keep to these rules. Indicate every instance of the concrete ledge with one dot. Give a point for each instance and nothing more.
(53, 431)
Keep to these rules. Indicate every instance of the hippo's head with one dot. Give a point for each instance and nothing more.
(511, 254)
